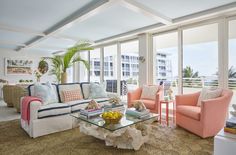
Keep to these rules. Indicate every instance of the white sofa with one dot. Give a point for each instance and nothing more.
(55, 117)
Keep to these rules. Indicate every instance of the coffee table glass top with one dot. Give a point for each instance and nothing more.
(125, 121)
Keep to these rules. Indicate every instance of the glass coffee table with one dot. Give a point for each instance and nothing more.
(130, 133)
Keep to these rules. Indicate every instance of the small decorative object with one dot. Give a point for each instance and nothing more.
(233, 112)
(139, 106)
(112, 117)
(37, 75)
(115, 100)
(43, 66)
(170, 93)
(166, 98)
(92, 105)
(142, 59)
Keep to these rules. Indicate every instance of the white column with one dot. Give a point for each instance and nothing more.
(151, 59)
(144, 50)
(119, 68)
(180, 61)
(223, 53)
(102, 64)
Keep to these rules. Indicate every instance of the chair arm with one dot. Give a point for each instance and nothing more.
(135, 95)
(187, 99)
(215, 110)
(34, 107)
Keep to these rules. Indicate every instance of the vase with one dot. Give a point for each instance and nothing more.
(64, 77)
(38, 79)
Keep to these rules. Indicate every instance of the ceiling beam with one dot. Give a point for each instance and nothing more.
(4, 42)
(86, 12)
(20, 30)
(140, 8)
(203, 15)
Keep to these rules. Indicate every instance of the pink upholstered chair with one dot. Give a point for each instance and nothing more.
(152, 105)
(206, 120)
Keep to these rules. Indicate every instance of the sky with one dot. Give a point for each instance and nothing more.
(202, 57)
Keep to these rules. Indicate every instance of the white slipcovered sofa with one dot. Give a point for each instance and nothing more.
(55, 117)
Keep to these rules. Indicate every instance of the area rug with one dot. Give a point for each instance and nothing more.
(163, 141)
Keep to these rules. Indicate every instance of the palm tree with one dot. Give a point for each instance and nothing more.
(61, 63)
(188, 73)
(232, 72)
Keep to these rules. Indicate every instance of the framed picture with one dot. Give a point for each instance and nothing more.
(15, 66)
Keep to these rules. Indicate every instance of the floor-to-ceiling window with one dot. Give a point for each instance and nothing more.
(83, 71)
(95, 65)
(165, 61)
(200, 58)
(129, 66)
(110, 68)
(232, 61)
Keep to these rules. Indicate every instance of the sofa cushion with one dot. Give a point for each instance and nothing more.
(45, 92)
(32, 93)
(72, 95)
(76, 106)
(54, 109)
(97, 91)
(207, 94)
(67, 87)
(149, 92)
(150, 104)
(86, 89)
(190, 111)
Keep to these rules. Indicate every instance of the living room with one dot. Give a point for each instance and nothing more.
(117, 77)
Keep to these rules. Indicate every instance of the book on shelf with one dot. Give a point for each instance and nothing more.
(231, 123)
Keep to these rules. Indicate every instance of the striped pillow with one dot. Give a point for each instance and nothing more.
(72, 95)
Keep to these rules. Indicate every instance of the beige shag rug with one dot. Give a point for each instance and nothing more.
(163, 141)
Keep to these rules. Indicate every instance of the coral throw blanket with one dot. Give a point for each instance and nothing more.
(25, 111)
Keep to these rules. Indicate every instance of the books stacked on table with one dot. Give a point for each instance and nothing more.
(138, 114)
(90, 113)
(114, 107)
(230, 125)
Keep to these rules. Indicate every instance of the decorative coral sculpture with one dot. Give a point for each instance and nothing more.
(139, 106)
(115, 100)
(92, 105)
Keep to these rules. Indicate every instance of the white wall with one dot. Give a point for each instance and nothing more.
(31, 55)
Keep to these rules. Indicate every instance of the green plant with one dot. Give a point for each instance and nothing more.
(60, 63)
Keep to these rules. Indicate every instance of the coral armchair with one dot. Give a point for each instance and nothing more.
(152, 105)
(205, 120)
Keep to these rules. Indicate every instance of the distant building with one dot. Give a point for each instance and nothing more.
(130, 67)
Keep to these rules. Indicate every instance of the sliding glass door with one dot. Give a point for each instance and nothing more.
(200, 58)
(232, 61)
(165, 61)
(110, 68)
(95, 65)
(129, 66)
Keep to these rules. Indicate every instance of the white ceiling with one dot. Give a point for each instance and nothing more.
(65, 21)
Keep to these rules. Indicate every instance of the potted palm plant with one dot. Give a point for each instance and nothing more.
(60, 64)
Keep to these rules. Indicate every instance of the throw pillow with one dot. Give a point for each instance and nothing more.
(45, 92)
(149, 92)
(97, 91)
(207, 94)
(86, 90)
(72, 95)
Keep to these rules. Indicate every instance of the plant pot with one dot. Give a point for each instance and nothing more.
(64, 77)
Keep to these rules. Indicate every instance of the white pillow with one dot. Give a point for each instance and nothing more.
(45, 92)
(86, 90)
(149, 92)
(207, 94)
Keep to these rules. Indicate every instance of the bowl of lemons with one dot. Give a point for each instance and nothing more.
(112, 117)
